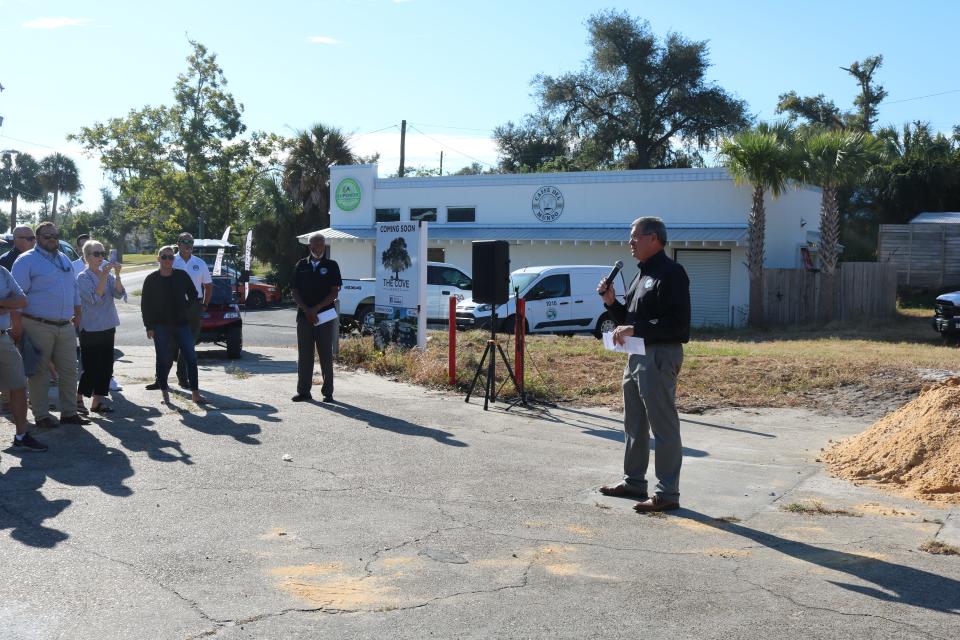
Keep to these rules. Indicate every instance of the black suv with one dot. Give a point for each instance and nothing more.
(946, 319)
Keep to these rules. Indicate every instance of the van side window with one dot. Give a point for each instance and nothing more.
(555, 286)
(455, 278)
(433, 275)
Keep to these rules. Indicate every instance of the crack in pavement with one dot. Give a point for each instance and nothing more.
(812, 607)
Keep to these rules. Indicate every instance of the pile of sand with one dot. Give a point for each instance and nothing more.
(914, 451)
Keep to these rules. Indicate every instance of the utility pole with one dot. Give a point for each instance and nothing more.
(441, 163)
(403, 144)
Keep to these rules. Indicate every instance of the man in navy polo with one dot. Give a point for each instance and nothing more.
(316, 285)
(50, 319)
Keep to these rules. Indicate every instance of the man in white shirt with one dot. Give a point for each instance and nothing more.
(199, 272)
(78, 264)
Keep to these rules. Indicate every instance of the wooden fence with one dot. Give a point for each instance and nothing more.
(925, 255)
(863, 289)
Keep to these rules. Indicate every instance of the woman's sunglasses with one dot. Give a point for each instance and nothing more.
(166, 256)
(98, 254)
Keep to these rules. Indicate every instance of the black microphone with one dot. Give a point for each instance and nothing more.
(613, 274)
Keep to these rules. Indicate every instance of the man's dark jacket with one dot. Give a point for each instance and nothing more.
(657, 303)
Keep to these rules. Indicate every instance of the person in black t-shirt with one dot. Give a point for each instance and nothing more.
(656, 308)
(316, 285)
(167, 296)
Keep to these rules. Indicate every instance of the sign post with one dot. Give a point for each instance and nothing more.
(401, 291)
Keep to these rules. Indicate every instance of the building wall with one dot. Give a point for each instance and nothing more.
(679, 196)
(687, 196)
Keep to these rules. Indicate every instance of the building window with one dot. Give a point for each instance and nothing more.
(388, 215)
(461, 214)
(435, 254)
(422, 213)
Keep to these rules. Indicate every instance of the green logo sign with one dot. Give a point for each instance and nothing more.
(348, 194)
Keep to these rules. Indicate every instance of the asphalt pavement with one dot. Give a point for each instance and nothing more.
(403, 512)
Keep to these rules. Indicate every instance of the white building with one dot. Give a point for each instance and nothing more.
(579, 218)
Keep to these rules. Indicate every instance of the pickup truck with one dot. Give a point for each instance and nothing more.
(443, 282)
(946, 319)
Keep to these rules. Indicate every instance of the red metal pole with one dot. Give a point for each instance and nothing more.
(452, 343)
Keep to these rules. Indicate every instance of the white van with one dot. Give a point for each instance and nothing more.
(444, 281)
(559, 299)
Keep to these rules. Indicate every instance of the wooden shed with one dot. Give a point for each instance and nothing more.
(926, 251)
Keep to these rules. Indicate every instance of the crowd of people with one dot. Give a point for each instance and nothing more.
(58, 322)
(47, 303)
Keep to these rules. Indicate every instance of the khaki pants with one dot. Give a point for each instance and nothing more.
(57, 345)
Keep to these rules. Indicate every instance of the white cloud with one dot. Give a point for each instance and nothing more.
(323, 40)
(57, 22)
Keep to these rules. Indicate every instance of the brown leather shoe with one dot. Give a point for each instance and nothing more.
(656, 503)
(622, 491)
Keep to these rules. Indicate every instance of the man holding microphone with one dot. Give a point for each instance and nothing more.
(656, 308)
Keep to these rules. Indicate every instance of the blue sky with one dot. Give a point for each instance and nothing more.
(452, 69)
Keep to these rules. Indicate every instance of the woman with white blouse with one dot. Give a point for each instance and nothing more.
(98, 323)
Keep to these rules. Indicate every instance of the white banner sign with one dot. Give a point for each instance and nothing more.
(401, 291)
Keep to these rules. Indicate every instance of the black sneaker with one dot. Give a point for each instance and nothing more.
(302, 397)
(153, 386)
(28, 443)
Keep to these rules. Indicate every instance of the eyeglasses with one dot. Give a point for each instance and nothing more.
(27, 238)
(98, 254)
(184, 241)
(167, 256)
(50, 236)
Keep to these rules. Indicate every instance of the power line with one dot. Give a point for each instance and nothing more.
(441, 126)
(46, 146)
(360, 135)
(932, 95)
(442, 144)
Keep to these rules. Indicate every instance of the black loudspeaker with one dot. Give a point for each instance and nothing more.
(491, 271)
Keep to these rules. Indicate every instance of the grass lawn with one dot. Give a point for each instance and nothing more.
(864, 368)
(131, 260)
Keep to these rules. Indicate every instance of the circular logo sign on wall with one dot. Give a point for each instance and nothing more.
(547, 204)
(347, 194)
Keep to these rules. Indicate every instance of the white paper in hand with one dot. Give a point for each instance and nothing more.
(325, 316)
(630, 345)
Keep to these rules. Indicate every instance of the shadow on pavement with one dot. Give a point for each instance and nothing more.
(726, 428)
(214, 421)
(129, 424)
(894, 582)
(257, 364)
(23, 509)
(396, 425)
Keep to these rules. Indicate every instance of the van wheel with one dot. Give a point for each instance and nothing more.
(510, 323)
(605, 324)
(366, 318)
(235, 341)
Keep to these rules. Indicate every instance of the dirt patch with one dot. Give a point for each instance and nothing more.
(914, 451)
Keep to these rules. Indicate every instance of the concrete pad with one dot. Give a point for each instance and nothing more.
(405, 512)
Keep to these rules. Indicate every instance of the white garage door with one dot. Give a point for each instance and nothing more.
(709, 273)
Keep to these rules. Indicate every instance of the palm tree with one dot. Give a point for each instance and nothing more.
(19, 181)
(831, 160)
(763, 158)
(306, 172)
(58, 174)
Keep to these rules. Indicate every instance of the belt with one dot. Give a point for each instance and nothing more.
(56, 323)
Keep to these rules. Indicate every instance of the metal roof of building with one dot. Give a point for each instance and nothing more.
(685, 235)
(937, 217)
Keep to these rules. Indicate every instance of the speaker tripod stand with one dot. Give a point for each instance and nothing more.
(489, 371)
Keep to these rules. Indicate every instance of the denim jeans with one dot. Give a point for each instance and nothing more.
(163, 337)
